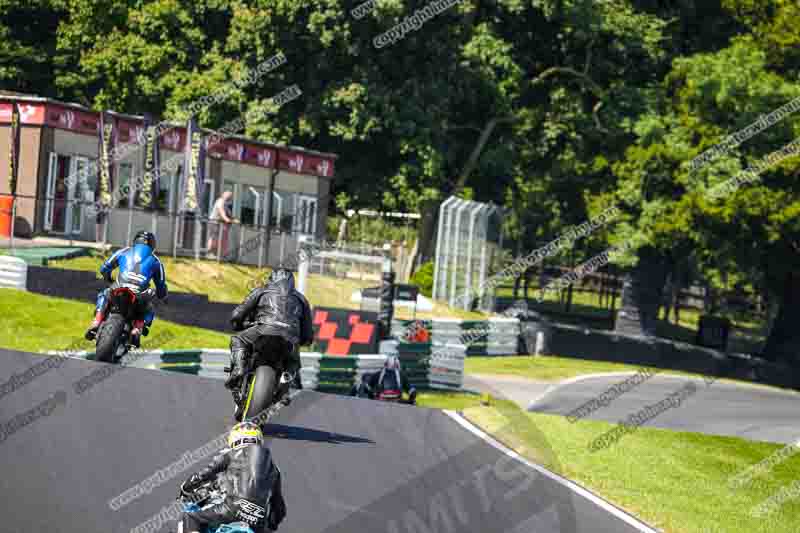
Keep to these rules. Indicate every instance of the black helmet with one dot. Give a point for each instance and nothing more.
(145, 237)
(280, 274)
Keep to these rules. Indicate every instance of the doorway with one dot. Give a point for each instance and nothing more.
(67, 185)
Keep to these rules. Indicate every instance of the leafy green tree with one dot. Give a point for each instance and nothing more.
(28, 46)
(670, 211)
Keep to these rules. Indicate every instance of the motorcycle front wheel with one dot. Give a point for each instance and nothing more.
(109, 338)
(260, 392)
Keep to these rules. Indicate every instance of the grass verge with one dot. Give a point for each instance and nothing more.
(452, 400)
(541, 368)
(676, 481)
(35, 323)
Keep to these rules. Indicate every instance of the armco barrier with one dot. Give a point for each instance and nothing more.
(495, 336)
(596, 345)
(320, 372)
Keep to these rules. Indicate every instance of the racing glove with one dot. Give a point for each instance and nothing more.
(188, 486)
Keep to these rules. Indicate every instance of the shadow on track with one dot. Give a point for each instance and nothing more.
(280, 431)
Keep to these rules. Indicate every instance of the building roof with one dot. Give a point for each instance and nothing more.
(22, 97)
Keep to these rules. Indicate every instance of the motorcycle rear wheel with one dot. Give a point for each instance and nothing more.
(109, 338)
(260, 393)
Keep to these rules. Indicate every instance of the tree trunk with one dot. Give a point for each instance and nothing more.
(517, 281)
(342, 230)
(667, 297)
(681, 283)
(409, 268)
(783, 343)
(641, 295)
(427, 232)
(526, 281)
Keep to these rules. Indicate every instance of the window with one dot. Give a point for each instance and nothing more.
(124, 176)
(282, 210)
(253, 206)
(248, 207)
(172, 181)
(306, 214)
(89, 180)
(208, 199)
(162, 200)
(234, 188)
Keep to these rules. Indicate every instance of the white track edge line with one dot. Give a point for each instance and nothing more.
(571, 485)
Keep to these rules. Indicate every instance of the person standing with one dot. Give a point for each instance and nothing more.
(221, 214)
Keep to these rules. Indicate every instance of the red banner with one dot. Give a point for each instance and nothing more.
(129, 130)
(301, 163)
(72, 120)
(29, 113)
(234, 151)
(241, 152)
(174, 139)
(260, 156)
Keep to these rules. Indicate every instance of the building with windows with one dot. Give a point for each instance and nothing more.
(60, 141)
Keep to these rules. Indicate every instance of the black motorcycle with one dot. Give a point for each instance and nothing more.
(114, 338)
(265, 380)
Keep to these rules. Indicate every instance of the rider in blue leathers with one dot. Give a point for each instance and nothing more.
(138, 266)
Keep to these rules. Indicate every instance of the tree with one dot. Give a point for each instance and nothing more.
(28, 46)
(750, 233)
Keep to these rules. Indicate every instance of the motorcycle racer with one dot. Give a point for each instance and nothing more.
(390, 377)
(249, 480)
(277, 313)
(138, 266)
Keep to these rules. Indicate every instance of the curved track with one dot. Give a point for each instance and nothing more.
(349, 465)
(738, 410)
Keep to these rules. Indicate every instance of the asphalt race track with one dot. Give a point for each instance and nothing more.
(754, 413)
(349, 465)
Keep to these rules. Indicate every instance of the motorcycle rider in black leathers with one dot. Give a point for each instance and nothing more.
(391, 376)
(249, 480)
(279, 318)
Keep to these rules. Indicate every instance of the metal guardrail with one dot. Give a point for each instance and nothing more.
(321, 372)
(495, 336)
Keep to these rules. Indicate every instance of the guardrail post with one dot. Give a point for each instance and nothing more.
(386, 310)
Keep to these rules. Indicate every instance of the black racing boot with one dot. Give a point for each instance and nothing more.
(237, 410)
(91, 333)
(238, 362)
